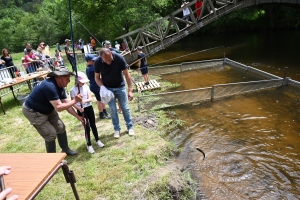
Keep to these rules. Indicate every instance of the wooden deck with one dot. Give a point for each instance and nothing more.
(153, 84)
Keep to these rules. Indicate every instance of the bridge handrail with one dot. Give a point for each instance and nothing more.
(156, 22)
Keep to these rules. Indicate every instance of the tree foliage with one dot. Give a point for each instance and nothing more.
(34, 21)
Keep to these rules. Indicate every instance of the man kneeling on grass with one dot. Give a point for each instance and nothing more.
(41, 107)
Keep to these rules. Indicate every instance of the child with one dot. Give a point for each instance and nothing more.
(143, 64)
(58, 59)
(87, 110)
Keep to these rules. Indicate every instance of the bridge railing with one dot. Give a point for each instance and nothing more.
(168, 30)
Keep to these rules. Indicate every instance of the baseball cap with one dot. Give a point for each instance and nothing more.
(82, 78)
(67, 40)
(139, 48)
(89, 57)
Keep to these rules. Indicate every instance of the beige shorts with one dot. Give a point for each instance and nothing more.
(48, 126)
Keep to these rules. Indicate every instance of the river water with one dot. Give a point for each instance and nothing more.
(251, 141)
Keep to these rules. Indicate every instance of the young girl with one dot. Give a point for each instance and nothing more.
(58, 58)
(87, 110)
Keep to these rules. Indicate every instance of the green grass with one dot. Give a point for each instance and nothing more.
(124, 169)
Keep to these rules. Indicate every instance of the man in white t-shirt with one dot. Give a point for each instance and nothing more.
(186, 11)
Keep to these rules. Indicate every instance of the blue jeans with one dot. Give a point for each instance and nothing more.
(121, 95)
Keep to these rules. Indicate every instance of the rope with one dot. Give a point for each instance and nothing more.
(187, 55)
(174, 58)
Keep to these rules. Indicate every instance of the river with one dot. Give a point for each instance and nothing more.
(251, 141)
(268, 51)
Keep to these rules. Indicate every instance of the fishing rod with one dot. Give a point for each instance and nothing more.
(176, 57)
(187, 55)
(74, 63)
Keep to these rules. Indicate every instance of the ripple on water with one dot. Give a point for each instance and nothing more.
(258, 157)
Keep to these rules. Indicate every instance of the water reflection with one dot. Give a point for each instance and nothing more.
(251, 143)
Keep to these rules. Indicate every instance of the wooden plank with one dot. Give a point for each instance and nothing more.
(153, 84)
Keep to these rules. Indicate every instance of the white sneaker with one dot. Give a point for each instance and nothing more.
(211, 11)
(117, 134)
(100, 144)
(90, 149)
(131, 132)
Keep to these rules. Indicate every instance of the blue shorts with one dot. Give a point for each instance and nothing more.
(144, 70)
(186, 17)
(97, 94)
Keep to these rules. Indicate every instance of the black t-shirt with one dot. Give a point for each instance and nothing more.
(143, 60)
(41, 95)
(68, 49)
(8, 61)
(111, 75)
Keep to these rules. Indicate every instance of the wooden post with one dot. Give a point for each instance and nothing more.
(212, 93)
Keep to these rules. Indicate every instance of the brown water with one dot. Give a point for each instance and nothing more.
(251, 141)
(268, 51)
(252, 145)
(208, 77)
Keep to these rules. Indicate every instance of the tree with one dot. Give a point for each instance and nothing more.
(109, 19)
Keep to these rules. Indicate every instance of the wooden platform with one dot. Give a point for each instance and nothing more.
(153, 84)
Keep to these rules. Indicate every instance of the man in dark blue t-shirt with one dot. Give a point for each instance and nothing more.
(41, 107)
(111, 66)
(90, 72)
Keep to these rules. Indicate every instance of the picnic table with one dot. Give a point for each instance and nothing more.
(30, 172)
(19, 80)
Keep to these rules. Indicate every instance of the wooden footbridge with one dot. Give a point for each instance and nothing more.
(168, 30)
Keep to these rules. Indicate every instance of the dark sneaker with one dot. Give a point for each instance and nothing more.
(106, 117)
(147, 83)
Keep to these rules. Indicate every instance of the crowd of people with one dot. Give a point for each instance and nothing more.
(104, 73)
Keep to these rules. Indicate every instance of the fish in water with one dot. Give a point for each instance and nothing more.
(201, 152)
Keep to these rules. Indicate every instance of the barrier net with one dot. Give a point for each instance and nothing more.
(170, 99)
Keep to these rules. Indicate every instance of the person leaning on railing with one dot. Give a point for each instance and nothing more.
(30, 61)
(39, 55)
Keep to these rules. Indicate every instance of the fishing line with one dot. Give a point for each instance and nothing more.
(187, 55)
(85, 27)
(175, 57)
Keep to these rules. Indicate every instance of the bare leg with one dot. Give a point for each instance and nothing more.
(100, 107)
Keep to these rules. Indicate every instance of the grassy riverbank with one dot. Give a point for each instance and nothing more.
(138, 167)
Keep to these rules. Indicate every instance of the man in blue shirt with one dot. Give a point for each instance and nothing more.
(111, 66)
(41, 107)
(90, 72)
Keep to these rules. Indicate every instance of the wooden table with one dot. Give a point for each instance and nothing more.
(30, 172)
(20, 80)
(27, 79)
